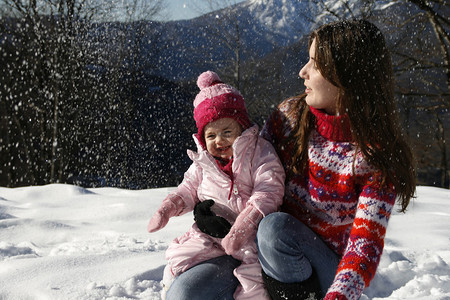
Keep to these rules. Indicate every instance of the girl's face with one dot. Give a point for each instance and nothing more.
(321, 94)
(220, 136)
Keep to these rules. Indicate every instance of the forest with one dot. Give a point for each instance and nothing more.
(86, 97)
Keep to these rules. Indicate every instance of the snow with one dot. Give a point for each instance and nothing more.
(65, 242)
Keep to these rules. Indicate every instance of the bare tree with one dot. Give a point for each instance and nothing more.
(45, 94)
(421, 50)
(29, 29)
(225, 31)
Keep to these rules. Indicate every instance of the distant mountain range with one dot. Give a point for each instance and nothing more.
(264, 25)
(180, 50)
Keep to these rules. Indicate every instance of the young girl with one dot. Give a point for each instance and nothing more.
(238, 173)
(346, 161)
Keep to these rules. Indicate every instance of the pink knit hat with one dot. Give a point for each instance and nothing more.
(217, 100)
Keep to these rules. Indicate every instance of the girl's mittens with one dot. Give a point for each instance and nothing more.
(171, 206)
(243, 229)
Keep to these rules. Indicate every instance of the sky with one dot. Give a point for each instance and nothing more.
(188, 9)
(62, 241)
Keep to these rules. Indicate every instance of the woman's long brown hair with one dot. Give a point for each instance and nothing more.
(353, 56)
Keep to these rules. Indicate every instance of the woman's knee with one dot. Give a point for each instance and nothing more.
(271, 223)
(272, 227)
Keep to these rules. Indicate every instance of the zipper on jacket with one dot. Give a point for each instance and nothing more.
(233, 189)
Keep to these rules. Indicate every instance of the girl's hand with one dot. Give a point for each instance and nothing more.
(170, 207)
(243, 229)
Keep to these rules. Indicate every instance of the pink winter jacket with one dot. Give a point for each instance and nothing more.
(258, 179)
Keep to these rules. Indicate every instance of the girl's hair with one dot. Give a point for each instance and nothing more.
(353, 56)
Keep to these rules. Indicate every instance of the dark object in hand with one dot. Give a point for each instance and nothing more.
(208, 222)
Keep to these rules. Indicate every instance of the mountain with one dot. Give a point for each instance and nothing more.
(256, 27)
(180, 50)
(262, 27)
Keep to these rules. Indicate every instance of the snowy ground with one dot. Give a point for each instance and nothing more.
(66, 242)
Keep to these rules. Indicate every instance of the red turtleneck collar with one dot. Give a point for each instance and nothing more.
(335, 128)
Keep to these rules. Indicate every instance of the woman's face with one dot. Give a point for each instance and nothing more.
(220, 136)
(321, 94)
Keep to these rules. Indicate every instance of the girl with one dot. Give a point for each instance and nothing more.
(238, 173)
(346, 161)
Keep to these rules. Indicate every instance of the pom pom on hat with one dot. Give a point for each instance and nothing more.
(207, 79)
(217, 100)
(211, 86)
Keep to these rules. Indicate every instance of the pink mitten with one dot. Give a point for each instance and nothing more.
(243, 229)
(171, 206)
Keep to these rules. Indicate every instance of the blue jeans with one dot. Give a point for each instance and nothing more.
(212, 279)
(288, 250)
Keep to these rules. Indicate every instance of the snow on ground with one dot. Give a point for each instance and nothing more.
(66, 242)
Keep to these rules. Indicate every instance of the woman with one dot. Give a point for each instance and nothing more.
(346, 162)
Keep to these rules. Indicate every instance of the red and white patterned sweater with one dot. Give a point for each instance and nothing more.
(343, 201)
